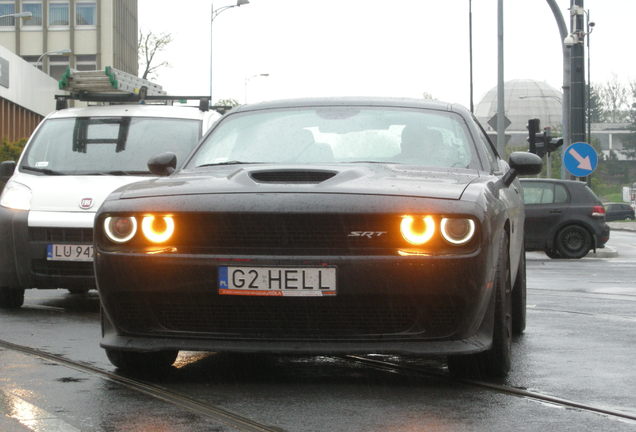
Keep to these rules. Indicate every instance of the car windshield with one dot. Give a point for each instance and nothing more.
(319, 135)
(107, 145)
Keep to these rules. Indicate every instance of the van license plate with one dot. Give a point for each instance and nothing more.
(69, 252)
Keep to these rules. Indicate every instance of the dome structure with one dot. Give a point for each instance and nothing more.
(524, 99)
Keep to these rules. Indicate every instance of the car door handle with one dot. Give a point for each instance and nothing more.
(555, 211)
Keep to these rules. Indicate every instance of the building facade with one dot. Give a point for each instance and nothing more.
(82, 34)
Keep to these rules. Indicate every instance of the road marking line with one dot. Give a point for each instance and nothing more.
(32, 417)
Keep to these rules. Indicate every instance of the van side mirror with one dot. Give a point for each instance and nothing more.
(163, 164)
(7, 168)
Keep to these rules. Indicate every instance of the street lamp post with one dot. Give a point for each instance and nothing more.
(589, 28)
(64, 51)
(247, 80)
(26, 15)
(215, 13)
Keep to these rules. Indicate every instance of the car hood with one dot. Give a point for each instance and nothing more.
(376, 179)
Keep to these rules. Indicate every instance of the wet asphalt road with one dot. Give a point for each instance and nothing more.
(579, 345)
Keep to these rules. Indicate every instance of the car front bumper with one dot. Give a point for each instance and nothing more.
(384, 304)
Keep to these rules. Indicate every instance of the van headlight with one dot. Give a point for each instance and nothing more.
(16, 196)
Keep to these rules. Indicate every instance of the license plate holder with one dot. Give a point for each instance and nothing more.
(277, 281)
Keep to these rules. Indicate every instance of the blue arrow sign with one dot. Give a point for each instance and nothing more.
(580, 159)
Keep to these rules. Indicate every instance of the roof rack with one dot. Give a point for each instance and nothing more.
(114, 86)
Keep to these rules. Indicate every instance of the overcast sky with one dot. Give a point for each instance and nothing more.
(374, 47)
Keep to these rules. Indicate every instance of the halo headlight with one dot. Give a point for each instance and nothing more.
(457, 231)
(120, 229)
(417, 232)
(157, 229)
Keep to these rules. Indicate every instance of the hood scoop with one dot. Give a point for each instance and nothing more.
(291, 176)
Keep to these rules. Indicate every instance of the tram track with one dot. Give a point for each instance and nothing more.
(392, 367)
(244, 424)
(236, 421)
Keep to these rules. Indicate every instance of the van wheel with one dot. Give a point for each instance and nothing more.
(11, 298)
(78, 290)
(573, 242)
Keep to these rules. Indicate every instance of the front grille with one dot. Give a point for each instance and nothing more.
(63, 235)
(61, 268)
(287, 234)
(290, 318)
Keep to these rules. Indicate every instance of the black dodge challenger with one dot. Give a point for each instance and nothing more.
(340, 225)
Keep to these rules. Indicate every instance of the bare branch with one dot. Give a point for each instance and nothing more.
(149, 44)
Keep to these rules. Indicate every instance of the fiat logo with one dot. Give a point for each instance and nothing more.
(86, 203)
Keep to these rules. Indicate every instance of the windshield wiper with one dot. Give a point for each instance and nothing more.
(122, 173)
(233, 162)
(371, 162)
(41, 170)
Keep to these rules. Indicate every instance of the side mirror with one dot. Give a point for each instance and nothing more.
(525, 163)
(163, 164)
(7, 168)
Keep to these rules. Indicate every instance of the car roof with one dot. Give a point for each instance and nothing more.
(352, 101)
(551, 180)
(131, 110)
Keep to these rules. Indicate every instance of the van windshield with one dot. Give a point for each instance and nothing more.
(107, 145)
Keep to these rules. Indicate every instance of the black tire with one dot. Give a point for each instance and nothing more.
(11, 298)
(573, 242)
(142, 362)
(519, 290)
(552, 253)
(78, 290)
(495, 361)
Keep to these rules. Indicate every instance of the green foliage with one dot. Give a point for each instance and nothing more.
(11, 150)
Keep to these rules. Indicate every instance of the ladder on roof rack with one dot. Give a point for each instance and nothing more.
(109, 81)
(115, 86)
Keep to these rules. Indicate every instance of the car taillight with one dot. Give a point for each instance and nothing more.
(598, 211)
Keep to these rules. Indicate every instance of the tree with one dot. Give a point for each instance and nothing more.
(629, 144)
(614, 96)
(148, 45)
(11, 150)
(595, 107)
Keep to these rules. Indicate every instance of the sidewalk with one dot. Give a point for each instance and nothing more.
(608, 251)
(622, 226)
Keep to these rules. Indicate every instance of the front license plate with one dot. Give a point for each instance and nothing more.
(277, 281)
(69, 252)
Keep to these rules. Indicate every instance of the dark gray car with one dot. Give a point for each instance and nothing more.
(618, 211)
(564, 218)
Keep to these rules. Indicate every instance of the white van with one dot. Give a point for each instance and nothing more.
(73, 160)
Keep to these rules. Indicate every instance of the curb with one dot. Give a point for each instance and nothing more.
(606, 252)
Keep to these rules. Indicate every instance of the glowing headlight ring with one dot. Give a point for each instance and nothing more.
(115, 239)
(463, 240)
(154, 236)
(417, 239)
